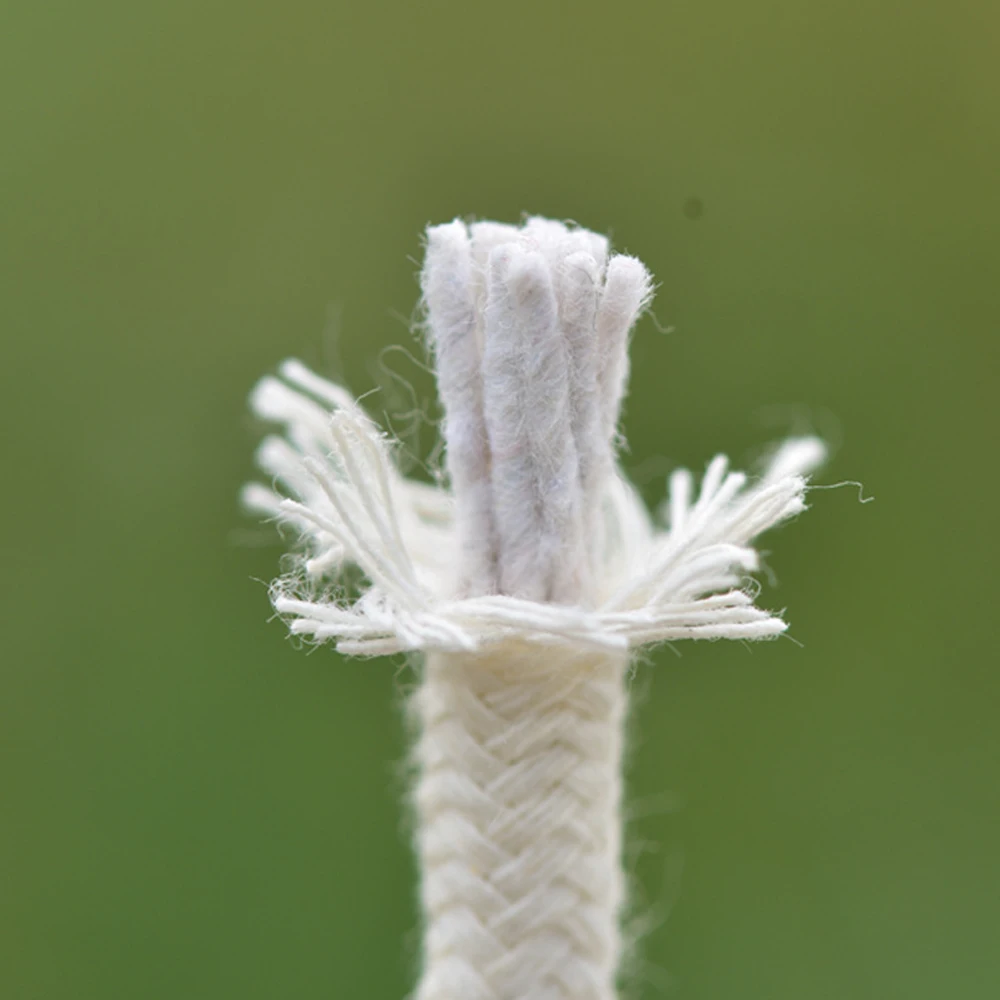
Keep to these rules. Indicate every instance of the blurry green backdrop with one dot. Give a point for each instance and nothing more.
(194, 808)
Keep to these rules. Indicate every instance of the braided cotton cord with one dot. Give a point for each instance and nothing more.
(525, 587)
(519, 823)
(519, 757)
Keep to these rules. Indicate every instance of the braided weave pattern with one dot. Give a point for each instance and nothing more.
(519, 825)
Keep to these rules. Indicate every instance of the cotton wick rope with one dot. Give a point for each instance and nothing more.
(525, 586)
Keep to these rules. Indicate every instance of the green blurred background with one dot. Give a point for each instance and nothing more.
(193, 808)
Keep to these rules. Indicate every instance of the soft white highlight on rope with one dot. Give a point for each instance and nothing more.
(527, 409)
(526, 583)
(453, 322)
(627, 291)
(579, 282)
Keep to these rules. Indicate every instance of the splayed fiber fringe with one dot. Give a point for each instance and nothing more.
(525, 585)
(334, 482)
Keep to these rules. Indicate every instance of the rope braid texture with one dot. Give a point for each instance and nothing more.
(525, 586)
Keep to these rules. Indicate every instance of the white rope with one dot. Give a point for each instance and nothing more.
(525, 586)
(518, 803)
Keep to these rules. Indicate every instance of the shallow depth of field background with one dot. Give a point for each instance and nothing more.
(191, 807)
